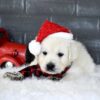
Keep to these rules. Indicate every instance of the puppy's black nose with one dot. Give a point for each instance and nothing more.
(50, 66)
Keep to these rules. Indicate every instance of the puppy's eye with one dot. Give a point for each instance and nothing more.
(44, 53)
(60, 54)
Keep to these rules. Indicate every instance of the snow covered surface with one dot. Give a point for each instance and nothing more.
(83, 88)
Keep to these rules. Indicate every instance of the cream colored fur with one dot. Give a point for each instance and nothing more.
(74, 53)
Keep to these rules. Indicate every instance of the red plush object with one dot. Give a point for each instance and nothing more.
(49, 28)
(11, 51)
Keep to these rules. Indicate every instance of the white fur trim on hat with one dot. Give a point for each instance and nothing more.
(34, 47)
(64, 35)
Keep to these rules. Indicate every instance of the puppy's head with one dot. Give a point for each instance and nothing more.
(57, 51)
(56, 54)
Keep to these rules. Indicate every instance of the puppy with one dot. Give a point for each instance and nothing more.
(57, 54)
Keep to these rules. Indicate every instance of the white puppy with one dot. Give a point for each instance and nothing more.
(53, 51)
(60, 53)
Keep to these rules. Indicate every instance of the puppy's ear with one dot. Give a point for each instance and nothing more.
(73, 51)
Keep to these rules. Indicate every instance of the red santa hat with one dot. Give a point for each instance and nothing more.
(48, 29)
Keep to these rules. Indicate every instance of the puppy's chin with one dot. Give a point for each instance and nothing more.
(53, 72)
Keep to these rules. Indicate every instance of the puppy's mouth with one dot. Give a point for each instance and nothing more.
(56, 71)
(50, 71)
(50, 67)
(53, 71)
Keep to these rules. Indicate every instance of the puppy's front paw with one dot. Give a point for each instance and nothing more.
(14, 75)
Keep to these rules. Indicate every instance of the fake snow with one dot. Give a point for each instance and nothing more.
(83, 88)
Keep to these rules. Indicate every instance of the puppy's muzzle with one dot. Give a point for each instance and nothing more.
(50, 67)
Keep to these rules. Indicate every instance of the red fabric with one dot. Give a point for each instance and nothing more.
(35, 70)
(50, 28)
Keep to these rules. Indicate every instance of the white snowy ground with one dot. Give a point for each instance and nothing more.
(83, 88)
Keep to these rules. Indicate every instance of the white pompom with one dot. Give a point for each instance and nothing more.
(35, 47)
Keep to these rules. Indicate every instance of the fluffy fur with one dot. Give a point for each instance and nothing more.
(74, 54)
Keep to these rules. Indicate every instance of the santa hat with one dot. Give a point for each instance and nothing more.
(48, 29)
